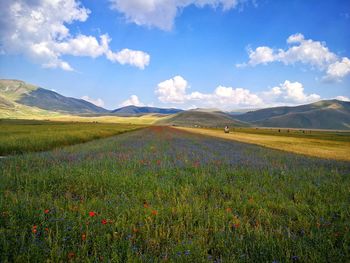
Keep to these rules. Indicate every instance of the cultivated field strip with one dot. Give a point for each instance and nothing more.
(162, 194)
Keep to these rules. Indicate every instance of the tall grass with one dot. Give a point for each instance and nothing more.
(160, 194)
(22, 136)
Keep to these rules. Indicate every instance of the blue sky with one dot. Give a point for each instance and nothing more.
(225, 54)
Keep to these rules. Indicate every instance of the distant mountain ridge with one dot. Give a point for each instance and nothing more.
(135, 110)
(19, 99)
(18, 93)
(326, 114)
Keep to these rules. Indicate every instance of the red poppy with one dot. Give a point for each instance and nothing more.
(92, 214)
(46, 211)
(104, 221)
(154, 212)
(71, 255)
(34, 229)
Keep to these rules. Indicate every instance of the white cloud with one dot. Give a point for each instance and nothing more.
(261, 55)
(306, 51)
(288, 93)
(343, 98)
(338, 70)
(235, 96)
(98, 102)
(133, 100)
(174, 91)
(294, 92)
(162, 13)
(302, 50)
(83, 45)
(126, 56)
(38, 29)
(296, 38)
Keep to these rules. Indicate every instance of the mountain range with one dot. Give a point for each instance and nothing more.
(326, 114)
(21, 100)
(18, 93)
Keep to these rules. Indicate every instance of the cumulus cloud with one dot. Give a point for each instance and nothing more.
(98, 102)
(338, 70)
(133, 100)
(135, 58)
(261, 55)
(175, 91)
(38, 29)
(172, 90)
(306, 51)
(294, 92)
(301, 50)
(162, 13)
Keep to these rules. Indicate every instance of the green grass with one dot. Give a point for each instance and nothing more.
(162, 194)
(20, 136)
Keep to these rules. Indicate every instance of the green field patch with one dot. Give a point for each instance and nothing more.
(20, 136)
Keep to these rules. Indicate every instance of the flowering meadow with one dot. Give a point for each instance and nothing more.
(164, 195)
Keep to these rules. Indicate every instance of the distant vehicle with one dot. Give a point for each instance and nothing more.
(227, 130)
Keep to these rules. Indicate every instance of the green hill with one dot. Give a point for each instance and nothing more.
(327, 114)
(132, 110)
(202, 118)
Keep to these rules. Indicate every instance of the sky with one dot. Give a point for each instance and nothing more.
(225, 54)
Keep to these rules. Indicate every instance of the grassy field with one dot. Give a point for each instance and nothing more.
(140, 120)
(20, 136)
(163, 194)
(326, 144)
(332, 135)
(31, 113)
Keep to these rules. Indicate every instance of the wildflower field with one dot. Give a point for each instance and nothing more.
(161, 194)
(324, 144)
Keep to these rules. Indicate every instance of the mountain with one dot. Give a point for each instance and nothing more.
(20, 99)
(326, 114)
(5, 103)
(135, 110)
(202, 118)
(19, 92)
(52, 101)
